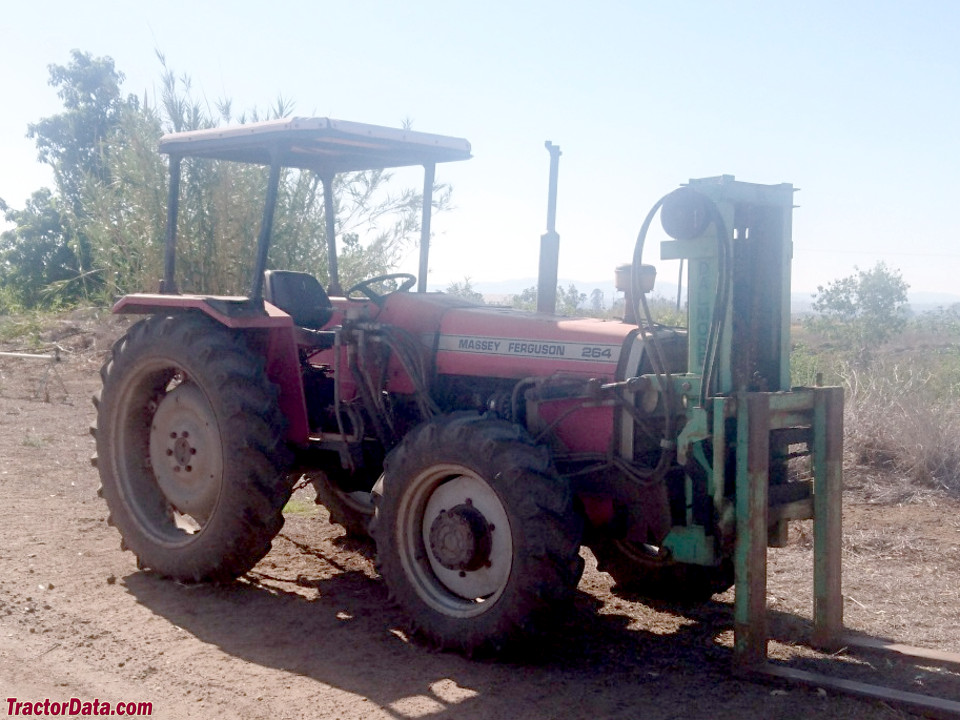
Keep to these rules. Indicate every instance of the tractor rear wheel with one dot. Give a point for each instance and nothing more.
(637, 571)
(477, 538)
(190, 449)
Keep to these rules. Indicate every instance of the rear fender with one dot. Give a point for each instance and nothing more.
(237, 313)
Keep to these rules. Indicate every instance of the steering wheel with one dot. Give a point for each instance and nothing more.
(365, 287)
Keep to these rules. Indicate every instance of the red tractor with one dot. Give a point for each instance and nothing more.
(479, 446)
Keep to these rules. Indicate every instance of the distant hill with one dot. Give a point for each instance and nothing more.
(920, 302)
(926, 301)
(801, 301)
(500, 291)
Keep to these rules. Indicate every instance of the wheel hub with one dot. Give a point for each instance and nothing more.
(463, 549)
(185, 451)
(460, 538)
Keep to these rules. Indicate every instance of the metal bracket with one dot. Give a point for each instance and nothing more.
(51, 369)
(757, 415)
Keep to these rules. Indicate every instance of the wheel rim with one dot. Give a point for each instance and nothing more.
(642, 553)
(185, 452)
(455, 541)
(162, 411)
(358, 501)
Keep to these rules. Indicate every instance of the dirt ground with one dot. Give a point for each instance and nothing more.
(309, 632)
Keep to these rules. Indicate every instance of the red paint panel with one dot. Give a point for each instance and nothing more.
(148, 304)
(282, 361)
(588, 429)
(283, 369)
(510, 344)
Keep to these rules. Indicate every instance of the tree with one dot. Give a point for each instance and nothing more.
(526, 299)
(465, 290)
(72, 142)
(221, 204)
(597, 305)
(569, 300)
(111, 199)
(47, 257)
(33, 255)
(864, 309)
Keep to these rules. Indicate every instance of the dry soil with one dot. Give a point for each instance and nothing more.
(309, 633)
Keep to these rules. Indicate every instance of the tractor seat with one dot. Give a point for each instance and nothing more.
(303, 298)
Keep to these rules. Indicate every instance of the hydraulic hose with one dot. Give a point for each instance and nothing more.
(718, 321)
(660, 369)
(711, 360)
(711, 355)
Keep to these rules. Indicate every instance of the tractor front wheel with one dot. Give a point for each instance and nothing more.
(190, 449)
(477, 538)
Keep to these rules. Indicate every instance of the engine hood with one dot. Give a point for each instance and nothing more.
(497, 342)
(502, 342)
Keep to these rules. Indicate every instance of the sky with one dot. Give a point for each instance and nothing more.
(855, 103)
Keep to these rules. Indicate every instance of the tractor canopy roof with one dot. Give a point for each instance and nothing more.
(323, 145)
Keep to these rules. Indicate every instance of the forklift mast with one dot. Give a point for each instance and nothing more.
(738, 279)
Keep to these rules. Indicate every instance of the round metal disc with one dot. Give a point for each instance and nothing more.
(487, 580)
(186, 453)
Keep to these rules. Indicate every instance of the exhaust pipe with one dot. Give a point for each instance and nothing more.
(550, 242)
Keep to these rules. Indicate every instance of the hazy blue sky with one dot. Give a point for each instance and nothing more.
(855, 103)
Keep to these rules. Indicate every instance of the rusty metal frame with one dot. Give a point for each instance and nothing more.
(325, 146)
(752, 483)
(54, 361)
(169, 283)
(757, 414)
(426, 213)
(827, 516)
(927, 705)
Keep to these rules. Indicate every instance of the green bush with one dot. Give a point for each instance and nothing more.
(863, 310)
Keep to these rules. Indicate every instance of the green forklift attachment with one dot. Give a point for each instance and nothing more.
(757, 452)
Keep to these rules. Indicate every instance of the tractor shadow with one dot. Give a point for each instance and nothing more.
(609, 657)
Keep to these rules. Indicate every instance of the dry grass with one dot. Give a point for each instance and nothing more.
(881, 543)
(902, 407)
(900, 424)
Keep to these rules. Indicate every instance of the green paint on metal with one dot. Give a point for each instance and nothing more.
(691, 544)
(827, 513)
(749, 240)
(696, 430)
(702, 278)
(701, 247)
(753, 477)
(718, 476)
